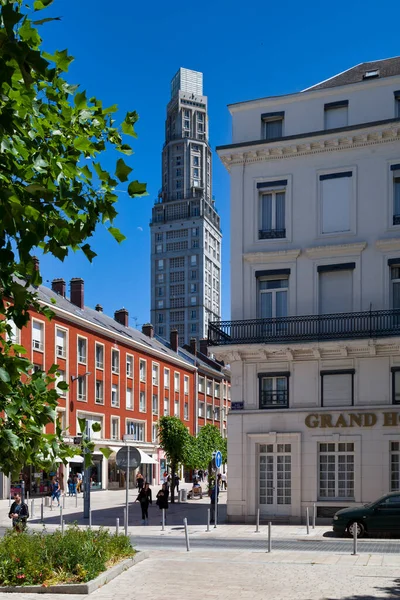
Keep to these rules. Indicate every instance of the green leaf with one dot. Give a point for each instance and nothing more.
(63, 385)
(106, 452)
(62, 60)
(125, 149)
(80, 100)
(135, 188)
(4, 376)
(88, 252)
(117, 235)
(96, 427)
(82, 144)
(10, 17)
(122, 170)
(11, 438)
(82, 425)
(46, 20)
(19, 349)
(40, 4)
(88, 460)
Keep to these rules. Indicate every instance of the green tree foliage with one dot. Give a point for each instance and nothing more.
(53, 193)
(209, 440)
(175, 440)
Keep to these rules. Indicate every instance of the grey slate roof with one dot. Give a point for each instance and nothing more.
(388, 67)
(101, 319)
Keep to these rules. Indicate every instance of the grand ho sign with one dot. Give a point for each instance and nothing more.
(364, 419)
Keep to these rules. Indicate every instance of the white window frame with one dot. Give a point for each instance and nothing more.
(64, 351)
(168, 404)
(353, 202)
(113, 419)
(177, 408)
(136, 422)
(186, 385)
(209, 410)
(83, 414)
(255, 208)
(61, 393)
(130, 359)
(272, 119)
(391, 178)
(201, 410)
(117, 403)
(394, 465)
(167, 379)
(186, 411)
(273, 191)
(142, 406)
(209, 386)
(115, 369)
(100, 345)
(15, 336)
(126, 398)
(154, 432)
(155, 368)
(81, 395)
(154, 397)
(95, 389)
(81, 337)
(336, 452)
(177, 388)
(142, 361)
(61, 412)
(41, 343)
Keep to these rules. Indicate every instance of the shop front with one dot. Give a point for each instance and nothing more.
(116, 476)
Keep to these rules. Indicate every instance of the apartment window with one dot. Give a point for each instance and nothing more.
(99, 391)
(176, 382)
(193, 314)
(60, 376)
(186, 385)
(37, 336)
(161, 331)
(155, 404)
(114, 395)
(337, 388)
(166, 407)
(217, 413)
(82, 346)
(273, 125)
(160, 291)
(160, 278)
(209, 387)
(159, 248)
(142, 401)
(193, 300)
(395, 170)
(129, 398)
(155, 374)
(336, 192)
(272, 297)
(274, 390)
(195, 161)
(193, 260)
(13, 336)
(394, 466)
(336, 114)
(195, 244)
(335, 288)
(142, 370)
(209, 411)
(201, 384)
(186, 124)
(186, 411)
(114, 428)
(99, 356)
(82, 388)
(136, 430)
(193, 328)
(60, 417)
(176, 408)
(272, 215)
(201, 409)
(154, 432)
(200, 127)
(166, 378)
(217, 391)
(61, 343)
(159, 237)
(115, 361)
(90, 420)
(129, 366)
(160, 318)
(160, 264)
(336, 471)
(193, 274)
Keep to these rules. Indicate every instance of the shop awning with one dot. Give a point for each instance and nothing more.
(145, 459)
(75, 459)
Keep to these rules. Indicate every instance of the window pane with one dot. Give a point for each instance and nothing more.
(266, 212)
(273, 129)
(280, 211)
(396, 193)
(336, 195)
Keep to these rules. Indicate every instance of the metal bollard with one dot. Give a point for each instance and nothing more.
(314, 514)
(41, 512)
(163, 519)
(32, 509)
(27, 496)
(258, 521)
(90, 518)
(308, 520)
(125, 523)
(269, 536)
(61, 515)
(76, 501)
(354, 553)
(62, 527)
(208, 519)
(117, 526)
(63, 501)
(186, 534)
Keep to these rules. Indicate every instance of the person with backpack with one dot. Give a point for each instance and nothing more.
(144, 497)
(19, 513)
(55, 491)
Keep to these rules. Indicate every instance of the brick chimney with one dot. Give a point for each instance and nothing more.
(76, 292)
(58, 286)
(122, 317)
(148, 330)
(174, 339)
(98, 307)
(204, 347)
(193, 346)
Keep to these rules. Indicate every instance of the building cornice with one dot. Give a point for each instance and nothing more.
(311, 143)
(389, 244)
(276, 256)
(335, 250)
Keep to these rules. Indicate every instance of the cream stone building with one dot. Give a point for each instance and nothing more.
(314, 341)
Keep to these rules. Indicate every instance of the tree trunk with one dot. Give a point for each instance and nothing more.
(173, 467)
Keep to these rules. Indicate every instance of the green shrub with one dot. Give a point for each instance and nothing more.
(44, 559)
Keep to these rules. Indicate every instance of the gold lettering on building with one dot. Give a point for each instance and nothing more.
(365, 419)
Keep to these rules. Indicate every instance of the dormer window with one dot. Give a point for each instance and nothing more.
(336, 114)
(273, 125)
(371, 74)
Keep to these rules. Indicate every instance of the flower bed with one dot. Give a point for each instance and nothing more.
(49, 559)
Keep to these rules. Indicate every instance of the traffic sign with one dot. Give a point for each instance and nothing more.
(122, 458)
(218, 459)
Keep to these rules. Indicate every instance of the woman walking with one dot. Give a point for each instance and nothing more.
(55, 491)
(162, 499)
(144, 497)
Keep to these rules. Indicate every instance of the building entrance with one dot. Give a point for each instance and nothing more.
(275, 476)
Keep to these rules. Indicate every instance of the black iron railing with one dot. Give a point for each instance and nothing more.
(370, 324)
(271, 234)
(276, 399)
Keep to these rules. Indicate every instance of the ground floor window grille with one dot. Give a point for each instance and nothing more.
(336, 470)
(394, 466)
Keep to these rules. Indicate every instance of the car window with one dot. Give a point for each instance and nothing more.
(390, 502)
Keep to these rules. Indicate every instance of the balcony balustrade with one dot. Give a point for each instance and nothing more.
(276, 399)
(339, 326)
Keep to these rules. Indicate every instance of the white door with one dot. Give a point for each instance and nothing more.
(275, 476)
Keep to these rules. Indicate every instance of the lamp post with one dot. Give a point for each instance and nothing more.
(86, 482)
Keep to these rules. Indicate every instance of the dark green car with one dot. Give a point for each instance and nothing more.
(381, 516)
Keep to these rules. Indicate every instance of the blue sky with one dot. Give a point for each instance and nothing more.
(126, 52)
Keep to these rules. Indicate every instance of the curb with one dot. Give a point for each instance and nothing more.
(80, 588)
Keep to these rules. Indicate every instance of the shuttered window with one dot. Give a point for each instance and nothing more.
(336, 194)
(336, 116)
(337, 388)
(335, 292)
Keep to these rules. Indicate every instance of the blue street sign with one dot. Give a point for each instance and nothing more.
(218, 459)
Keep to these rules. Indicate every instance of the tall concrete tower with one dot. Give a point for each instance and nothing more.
(185, 226)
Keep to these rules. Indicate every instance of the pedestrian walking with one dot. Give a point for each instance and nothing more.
(79, 484)
(224, 483)
(139, 481)
(19, 513)
(55, 491)
(162, 499)
(212, 498)
(144, 497)
(75, 485)
(177, 480)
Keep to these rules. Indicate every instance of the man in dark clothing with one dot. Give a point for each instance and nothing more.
(144, 497)
(212, 498)
(19, 513)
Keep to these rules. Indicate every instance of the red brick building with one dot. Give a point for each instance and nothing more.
(120, 377)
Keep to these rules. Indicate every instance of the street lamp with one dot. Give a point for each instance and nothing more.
(86, 483)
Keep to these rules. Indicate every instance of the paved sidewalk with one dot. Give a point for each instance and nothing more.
(251, 576)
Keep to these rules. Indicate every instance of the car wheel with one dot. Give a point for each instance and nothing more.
(360, 529)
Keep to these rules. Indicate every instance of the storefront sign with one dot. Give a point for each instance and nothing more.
(367, 419)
